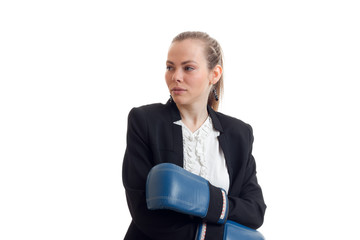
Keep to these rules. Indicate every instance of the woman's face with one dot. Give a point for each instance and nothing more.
(187, 75)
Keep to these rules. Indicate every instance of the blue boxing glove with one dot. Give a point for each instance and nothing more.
(236, 231)
(232, 231)
(169, 186)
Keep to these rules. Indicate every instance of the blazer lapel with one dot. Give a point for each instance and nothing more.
(177, 135)
(224, 144)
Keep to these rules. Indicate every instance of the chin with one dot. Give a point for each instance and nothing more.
(180, 100)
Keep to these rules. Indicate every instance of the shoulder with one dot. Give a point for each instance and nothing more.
(149, 109)
(235, 126)
(151, 113)
(232, 122)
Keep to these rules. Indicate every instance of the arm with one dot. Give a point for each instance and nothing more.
(138, 161)
(247, 205)
(171, 187)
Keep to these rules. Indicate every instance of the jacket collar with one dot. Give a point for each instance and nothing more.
(175, 115)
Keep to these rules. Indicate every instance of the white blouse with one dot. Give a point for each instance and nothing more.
(203, 155)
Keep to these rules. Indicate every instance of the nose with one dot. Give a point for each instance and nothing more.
(177, 76)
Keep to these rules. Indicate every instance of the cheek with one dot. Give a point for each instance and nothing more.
(202, 81)
(167, 78)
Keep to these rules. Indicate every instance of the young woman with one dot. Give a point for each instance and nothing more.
(188, 132)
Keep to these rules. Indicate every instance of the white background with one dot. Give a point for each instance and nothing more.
(70, 71)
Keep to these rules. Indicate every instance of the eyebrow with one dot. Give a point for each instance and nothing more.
(183, 63)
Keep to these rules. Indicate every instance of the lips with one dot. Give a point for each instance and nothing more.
(178, 90)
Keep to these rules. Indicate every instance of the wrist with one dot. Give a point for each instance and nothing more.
(218, 206)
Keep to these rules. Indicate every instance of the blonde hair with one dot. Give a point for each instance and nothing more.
(214, 56)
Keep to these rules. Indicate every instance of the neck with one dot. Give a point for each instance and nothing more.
(193, 116)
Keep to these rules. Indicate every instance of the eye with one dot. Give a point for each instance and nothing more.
(169, 68)
(188, 68)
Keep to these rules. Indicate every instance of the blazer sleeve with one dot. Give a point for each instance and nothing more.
(247, 206)
(138, 160)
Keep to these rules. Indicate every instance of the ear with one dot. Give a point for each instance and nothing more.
(216, 74)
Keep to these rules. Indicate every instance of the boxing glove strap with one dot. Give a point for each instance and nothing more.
(225, 208)
(208, 231)
(201, 232)
(218, 206)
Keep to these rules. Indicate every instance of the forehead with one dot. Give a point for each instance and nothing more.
(188, 49)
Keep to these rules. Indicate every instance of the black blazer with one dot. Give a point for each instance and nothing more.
(153, 138)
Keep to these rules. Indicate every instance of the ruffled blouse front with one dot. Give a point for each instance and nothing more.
(203, 155)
